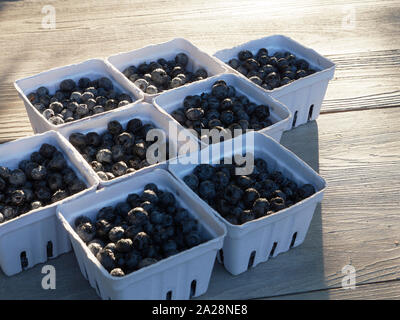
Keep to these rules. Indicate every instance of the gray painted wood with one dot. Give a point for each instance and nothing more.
(357, 152)
(388, 290)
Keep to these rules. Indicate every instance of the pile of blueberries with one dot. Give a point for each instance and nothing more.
(117, 151)
(43, 179)
(76, 101)
(160, 75)
(243, 198)
(222, 109)
(142, 230)
(273, 71)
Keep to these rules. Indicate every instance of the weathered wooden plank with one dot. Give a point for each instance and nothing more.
(358, 222)
(367, 55)
(389, 290)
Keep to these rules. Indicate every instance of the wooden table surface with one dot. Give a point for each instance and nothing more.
(354, 144)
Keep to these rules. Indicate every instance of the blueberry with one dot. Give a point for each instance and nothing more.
(105, 83)
(119, 168)
(59, 195)
(150, 195)
(92, 138)
(189, 225)
(234, 63)
(233, 194)
(192, 181)
(244, 55)
(67, 85)
(141, 241)
(133, 199)
(38, 173)
(159, 76)
(4, 173)
(137, 216)
(306, 191)
(139, 149)
(2, 184)
(134, 125)
(170, 247)
(81, 220)
(260, 207)
(132, 260)
(9, 212)
(47, 151)
(124, 245)
(116, 234)
(207, 189)
(193, 239)
(117, 272)
(84, 83)
(280, 194)
(156, 217)
(142, 84)
(58, 162)
(167, 199)
(201, 73)
(69, 176)
(151, 186)
(227, 117)
(76, 186)
(104, 156)
(181, 215)
(246, 216)
(133, 230)
(18, 197)
(244, 182)
(220, 90)
(277, 204)
(94, 247)
(56, 120)
(17, 178)
(86, 231)
(204, 171)
(103, 227)
(194, 114)
(118, 152)
(107, 259)
(56, 107)
(181, 59)
(36, 205)
(146, 262)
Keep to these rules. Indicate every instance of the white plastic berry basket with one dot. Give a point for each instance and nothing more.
(148, 114)
(280, 115)
(92, 69)
(256, 241)
(37, 235)
(167, 50)
(184, 275)
(304, 96)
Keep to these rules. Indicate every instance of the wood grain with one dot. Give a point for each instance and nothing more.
(388, 290)
(87, 29)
